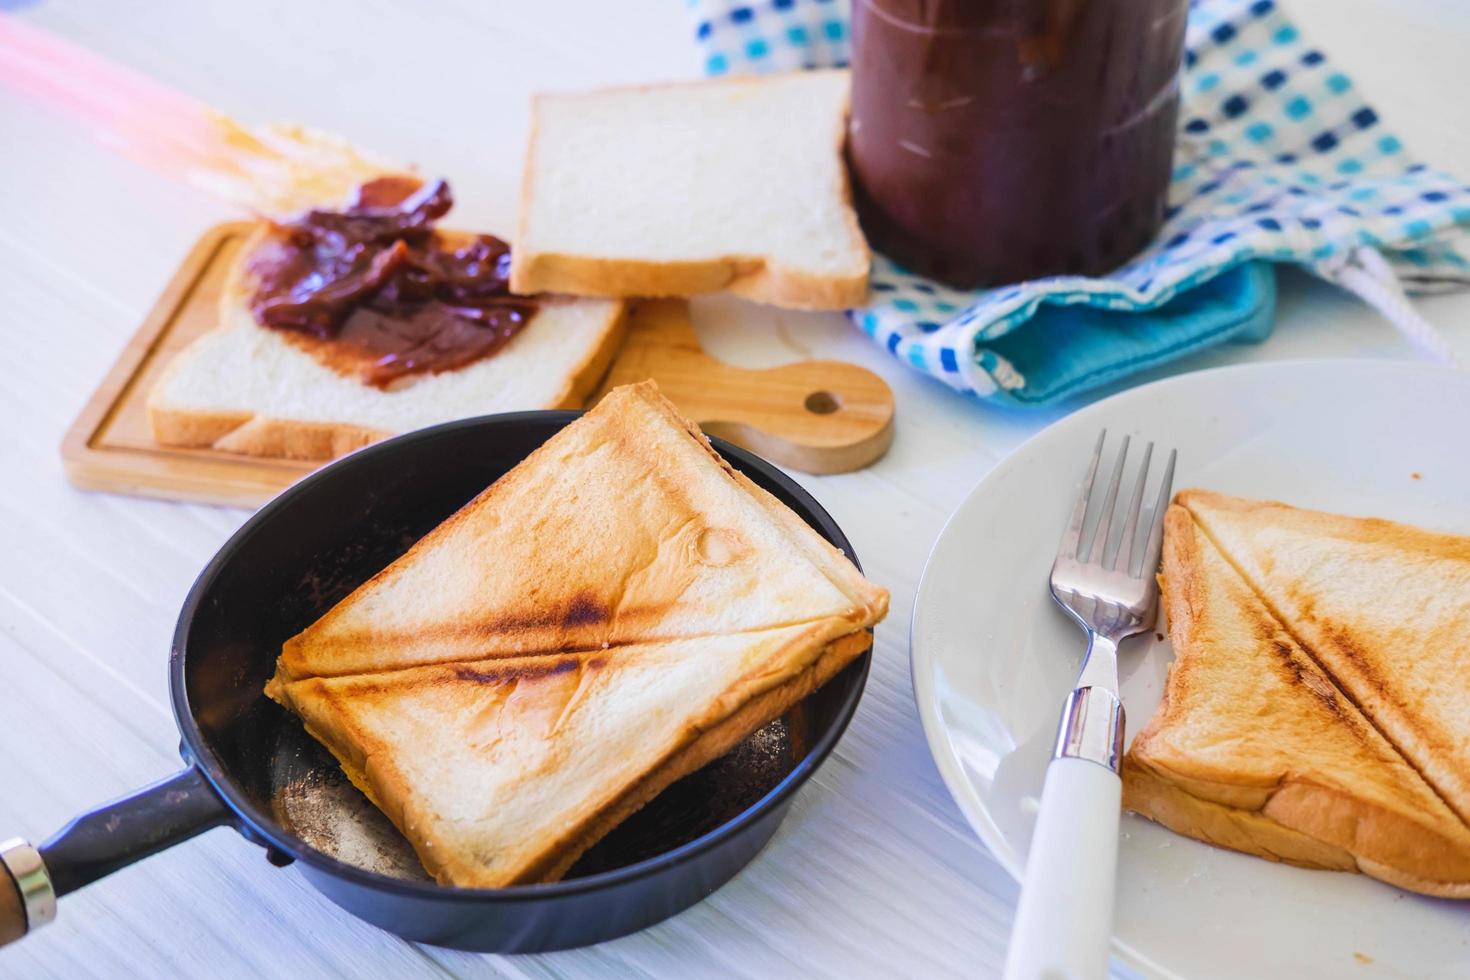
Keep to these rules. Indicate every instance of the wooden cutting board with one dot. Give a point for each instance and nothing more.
(816, 416)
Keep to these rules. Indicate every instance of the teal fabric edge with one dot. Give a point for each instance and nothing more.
(1064, 351)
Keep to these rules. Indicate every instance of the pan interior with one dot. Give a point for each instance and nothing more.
(300, 556)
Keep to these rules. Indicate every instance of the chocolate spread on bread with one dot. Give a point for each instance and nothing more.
(374, 291)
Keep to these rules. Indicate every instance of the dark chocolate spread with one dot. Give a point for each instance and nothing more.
(374, 291)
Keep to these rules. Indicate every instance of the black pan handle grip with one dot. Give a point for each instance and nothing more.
(99, 842)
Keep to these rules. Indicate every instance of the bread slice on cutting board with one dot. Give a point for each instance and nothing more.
(625, 527)
(246, 388)
(734, 184)
(503, 772)
(1259, 745)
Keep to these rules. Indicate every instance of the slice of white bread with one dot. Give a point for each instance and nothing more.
(504, 772)
(1382, 607)
(1256, 748)
(625, 527)
(246, 388)
(732, 184)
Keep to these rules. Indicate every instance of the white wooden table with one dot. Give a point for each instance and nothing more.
(874, 872)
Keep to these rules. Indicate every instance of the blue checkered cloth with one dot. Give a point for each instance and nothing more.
(1279, 160)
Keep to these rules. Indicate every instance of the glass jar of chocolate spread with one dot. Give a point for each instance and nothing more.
(993, 141)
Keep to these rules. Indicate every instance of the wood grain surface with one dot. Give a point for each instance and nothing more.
(12, 910)
(875, 872)
(817, 416)
(110, 446)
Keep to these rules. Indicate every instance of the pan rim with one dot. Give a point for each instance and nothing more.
(261, 827)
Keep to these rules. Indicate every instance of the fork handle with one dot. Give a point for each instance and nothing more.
(1064, 924)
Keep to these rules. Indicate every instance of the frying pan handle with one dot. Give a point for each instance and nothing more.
(98, 843)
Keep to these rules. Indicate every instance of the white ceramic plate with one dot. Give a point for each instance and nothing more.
(993, 657)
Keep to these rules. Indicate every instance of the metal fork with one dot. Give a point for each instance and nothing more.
(1106, 583)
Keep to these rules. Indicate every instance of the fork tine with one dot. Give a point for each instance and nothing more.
(1105, 516)
(1072, 536)
(1124, 557)
(1156, 532)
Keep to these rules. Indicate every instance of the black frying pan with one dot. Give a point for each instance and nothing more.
(251, 766)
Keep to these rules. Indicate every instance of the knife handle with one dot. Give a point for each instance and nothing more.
(1064, 925)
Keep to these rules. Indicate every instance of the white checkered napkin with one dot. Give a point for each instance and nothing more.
(1279, 160)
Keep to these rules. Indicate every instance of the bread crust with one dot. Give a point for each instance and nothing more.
(1202, 773)
(589, 372)
(1270, 833)
(254, 434)
(752, 277)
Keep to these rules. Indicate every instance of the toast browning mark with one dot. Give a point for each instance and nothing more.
(516, 671)
(1270, 636)
(1363, 664)
(584, 610)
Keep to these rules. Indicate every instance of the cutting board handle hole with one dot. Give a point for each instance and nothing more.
(822, 403)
